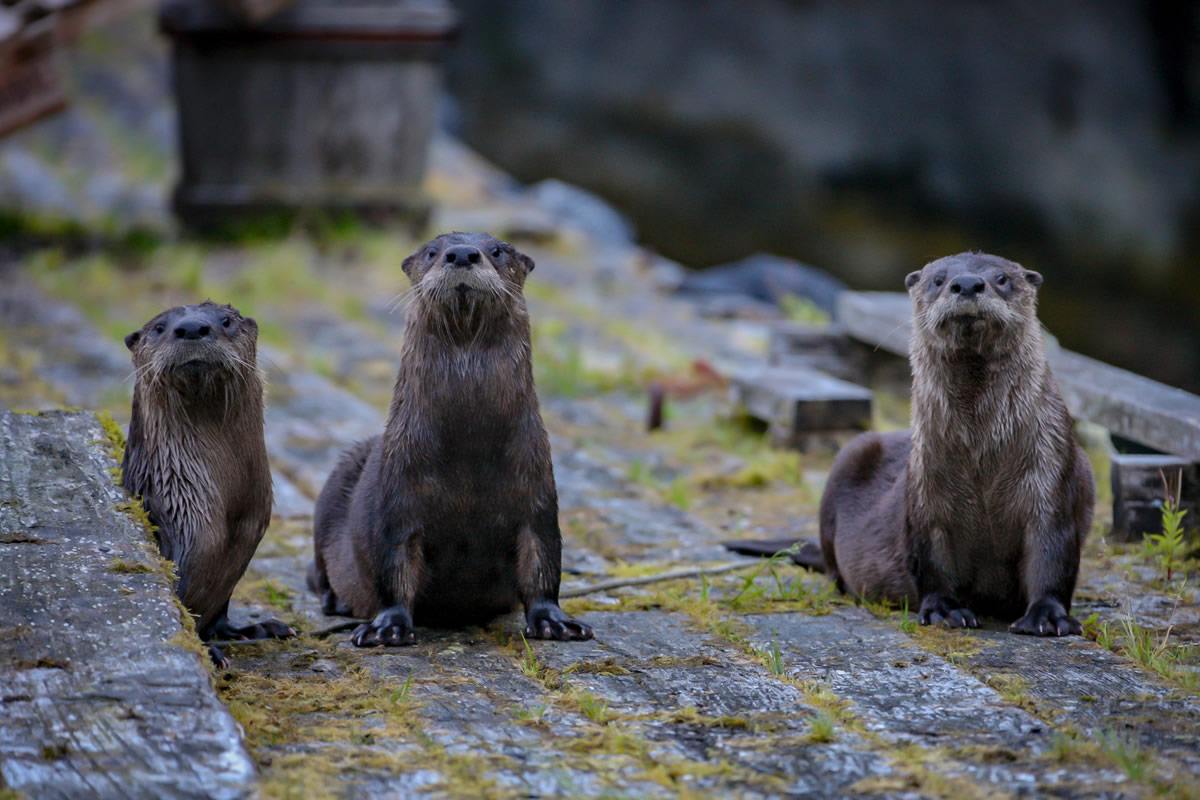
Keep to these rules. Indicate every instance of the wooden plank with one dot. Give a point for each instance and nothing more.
(1146, 411)
(97, 698)
(254, 10)
(881, 319)
(76, 17)
(29, 90)
(795, 401)
(1138, 492)
(1157, 415)
(825, 348)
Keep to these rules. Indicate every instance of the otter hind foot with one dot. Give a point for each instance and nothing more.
(332, 606)
(1046, 617)
(393, 627)
(938, 608)
(222, 630)
(545, 620)
(219, 659)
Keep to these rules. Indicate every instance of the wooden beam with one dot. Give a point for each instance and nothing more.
(1139, 485)
(29, 89)
(798, 403)
(1157, 415)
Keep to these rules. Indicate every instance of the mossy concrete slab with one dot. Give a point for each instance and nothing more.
(1076, 683)
(906, 693)
(100, 697)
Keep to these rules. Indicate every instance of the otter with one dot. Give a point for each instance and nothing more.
(983, 507)
(196, 457)
(450, 518)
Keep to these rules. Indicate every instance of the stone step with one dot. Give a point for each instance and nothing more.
(995, 722)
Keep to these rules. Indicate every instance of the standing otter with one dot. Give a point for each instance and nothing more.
(984, 506)
(451, 517)
(196, 456)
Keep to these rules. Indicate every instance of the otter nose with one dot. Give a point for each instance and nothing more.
(967, 285)
(463, 255)
(192, 329)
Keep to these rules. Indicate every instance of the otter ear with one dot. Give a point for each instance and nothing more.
(132, 338)
(911, 279)
(407, 265)
(1034, 278)
(526, 260)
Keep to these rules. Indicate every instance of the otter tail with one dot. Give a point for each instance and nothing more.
(808, 554)
(316, 579)
(333, 508)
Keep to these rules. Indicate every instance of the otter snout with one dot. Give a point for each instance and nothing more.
(968, 285)
(192, 327)
(463, 256)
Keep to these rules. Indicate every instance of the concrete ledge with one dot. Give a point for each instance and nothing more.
(99, 694)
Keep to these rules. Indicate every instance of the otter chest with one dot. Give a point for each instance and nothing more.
(982, 502)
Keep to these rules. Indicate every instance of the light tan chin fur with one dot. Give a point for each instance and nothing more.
(464, 319)
(1000, 325)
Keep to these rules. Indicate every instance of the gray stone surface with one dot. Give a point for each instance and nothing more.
(98, 699)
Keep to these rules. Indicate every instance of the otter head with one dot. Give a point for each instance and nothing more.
(190, 349)
(973, 301)
(463, 281)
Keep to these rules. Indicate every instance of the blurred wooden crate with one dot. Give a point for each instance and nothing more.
(328, 105)
(31, 33)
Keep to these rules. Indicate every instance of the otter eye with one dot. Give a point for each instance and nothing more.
(431, 254)
(225, 322)
(159, 328)
(939, 280)
(495, 252)
(1003, 279)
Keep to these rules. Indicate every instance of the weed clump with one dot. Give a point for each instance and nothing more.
(123, 567)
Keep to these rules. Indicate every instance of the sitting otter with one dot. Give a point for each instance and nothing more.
(451, 517)
(196, 456)
(984, 506)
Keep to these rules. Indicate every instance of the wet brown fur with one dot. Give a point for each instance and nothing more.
(196, 455)
(451, 516)
(983, 507)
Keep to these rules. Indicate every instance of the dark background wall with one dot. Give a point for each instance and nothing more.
(869, 137)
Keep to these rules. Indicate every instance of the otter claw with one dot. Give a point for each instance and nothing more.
(391, 628)
(1047, 617)
(218, 658)
(936, 609)
(545, 620)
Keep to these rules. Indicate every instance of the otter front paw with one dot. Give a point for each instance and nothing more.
(938, 608)
(1047, 617)
(545, 620)
(393, 627)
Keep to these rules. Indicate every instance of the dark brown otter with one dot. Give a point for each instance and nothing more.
(984, 506)
(196, 456)
(451, 517)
